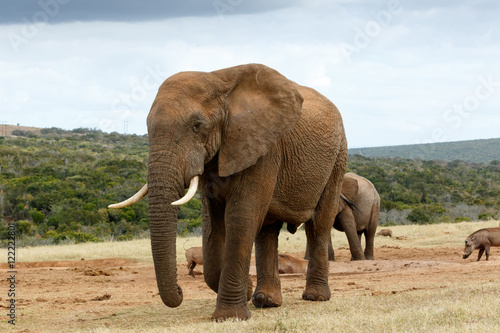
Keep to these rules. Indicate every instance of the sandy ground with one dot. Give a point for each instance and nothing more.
(57, 294)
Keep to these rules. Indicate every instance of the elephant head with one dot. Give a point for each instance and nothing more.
(227, 118)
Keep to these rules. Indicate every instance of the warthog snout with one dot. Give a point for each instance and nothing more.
(468, 249)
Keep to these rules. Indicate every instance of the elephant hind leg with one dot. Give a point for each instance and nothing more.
(318, 232)
(370, 235)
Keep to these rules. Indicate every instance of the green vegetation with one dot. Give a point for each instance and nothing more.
(471, 151)
(423, 192)
(57, 185)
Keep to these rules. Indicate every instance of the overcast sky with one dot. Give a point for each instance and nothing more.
(400, 71)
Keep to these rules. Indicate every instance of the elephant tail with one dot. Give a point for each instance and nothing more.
(350, 203)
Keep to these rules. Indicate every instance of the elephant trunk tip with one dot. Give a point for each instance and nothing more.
(172, 302)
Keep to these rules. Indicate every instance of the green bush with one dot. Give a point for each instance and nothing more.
(486, 216)
(125, 237)
(25, 228)
(426, 214)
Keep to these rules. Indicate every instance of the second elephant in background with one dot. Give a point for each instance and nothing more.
(357, 215)
(361, 219)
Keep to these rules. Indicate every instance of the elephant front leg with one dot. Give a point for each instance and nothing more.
(213, 242)
(268, 290)
(232, 293)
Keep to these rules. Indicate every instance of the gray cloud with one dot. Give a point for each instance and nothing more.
(63, 11)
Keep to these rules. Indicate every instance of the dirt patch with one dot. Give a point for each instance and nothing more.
(112, 262)
(77, 292)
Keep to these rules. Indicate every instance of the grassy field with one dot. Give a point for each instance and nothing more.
(443, 306)
(454, 309)
(446, 234)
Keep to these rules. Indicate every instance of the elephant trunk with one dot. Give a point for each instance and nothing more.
(164, 187)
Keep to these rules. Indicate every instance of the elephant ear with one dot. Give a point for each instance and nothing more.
(262, 106)
(350, 188)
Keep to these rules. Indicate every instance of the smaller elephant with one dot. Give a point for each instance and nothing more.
(362, 219)
(288, 264)
(194, 256)
(359, 207)
(385, 232)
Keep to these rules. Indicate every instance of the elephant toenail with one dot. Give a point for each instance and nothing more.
(259, 297)
(310, 297)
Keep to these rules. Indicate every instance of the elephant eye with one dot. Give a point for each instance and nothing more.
(197, 126)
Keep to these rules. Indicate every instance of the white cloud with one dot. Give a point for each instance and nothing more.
(395, 90)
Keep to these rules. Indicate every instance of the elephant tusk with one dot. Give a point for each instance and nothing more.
(193, 186)
(133, 199)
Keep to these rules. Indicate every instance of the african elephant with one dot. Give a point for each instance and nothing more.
(362, 219)
(266, 151)
(359, 206)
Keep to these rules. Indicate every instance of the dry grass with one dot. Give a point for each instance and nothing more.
(446, 234)
(441, 307)
(451, 309)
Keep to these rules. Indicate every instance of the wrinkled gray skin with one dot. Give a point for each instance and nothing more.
(267, 150)
(385, 232)
(482, 239)
(194, 256)
(361, 221)
(357, 216)
(288, 264)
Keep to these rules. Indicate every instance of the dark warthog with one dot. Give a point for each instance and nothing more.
(482, 239)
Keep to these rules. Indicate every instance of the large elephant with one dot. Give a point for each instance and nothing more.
(267, 151)
(359, 207)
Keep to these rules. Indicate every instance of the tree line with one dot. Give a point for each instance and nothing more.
(56, 187)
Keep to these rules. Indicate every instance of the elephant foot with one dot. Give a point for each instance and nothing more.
(233, 313)
(261, 300)
(317, 293)
(369, 257)
(362, 257)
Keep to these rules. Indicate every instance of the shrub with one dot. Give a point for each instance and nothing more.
(486, 216)
(25, 228)
(426, 214)
(462, 219)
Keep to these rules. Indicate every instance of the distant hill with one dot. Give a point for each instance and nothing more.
(476, 151)
(17, 130)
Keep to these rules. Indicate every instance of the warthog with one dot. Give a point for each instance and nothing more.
(288, 264)
(482, 239)
(385, 232)
(194, 255)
